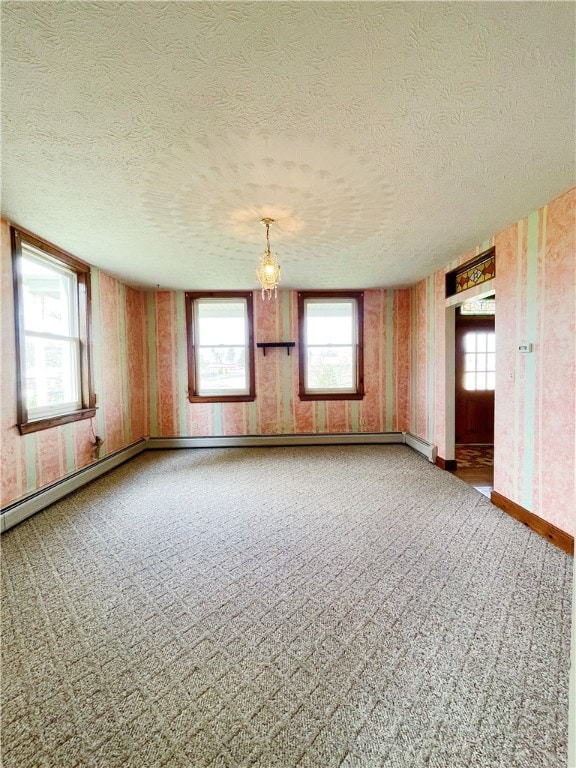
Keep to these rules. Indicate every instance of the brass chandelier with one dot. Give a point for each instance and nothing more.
(268, 272)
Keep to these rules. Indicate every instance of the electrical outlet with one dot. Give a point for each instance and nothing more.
(96, 445)
(510, 376)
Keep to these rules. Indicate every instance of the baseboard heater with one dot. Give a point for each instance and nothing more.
(261, 441)
(335, 438)
(29, 505)
(422, 446)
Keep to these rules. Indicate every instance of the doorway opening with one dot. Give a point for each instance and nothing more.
(475, 381)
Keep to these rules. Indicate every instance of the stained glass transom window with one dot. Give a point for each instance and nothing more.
(476, 274)
(469, 275)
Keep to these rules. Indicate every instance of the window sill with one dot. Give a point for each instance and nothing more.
(333, 396)
(56, 421)
(221, 398)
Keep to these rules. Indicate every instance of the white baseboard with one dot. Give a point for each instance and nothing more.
(29, 505)
(245, 441)
(422, 446)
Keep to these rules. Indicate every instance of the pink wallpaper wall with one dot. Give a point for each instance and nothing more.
(120, 351)
(535, 456)
(535, 414)
(277, 408)
(140, 371)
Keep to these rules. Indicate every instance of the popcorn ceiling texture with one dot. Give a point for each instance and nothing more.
(332, 196)
(150, 138)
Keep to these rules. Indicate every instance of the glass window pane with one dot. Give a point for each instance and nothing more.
(470, 342)
(52, 373)
(329, 322)
(480, 380)
(469, 380)
(479, 307)
(329, 368)
(481, 342)
(222, 369)
(491, 362)
(48, 297)
(490, 381)
(491, 342)
(481, 362)
(221, 322)
(470, 362)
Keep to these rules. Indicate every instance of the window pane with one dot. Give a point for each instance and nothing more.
(330, 368)
(221, 322)
(222, 369)
(481, 380)
(491, 362)
(490, 381)
(491, 342)
(481, 362)
(48, 297)
(52, 373)
(470, 361)
(479, 307)
(481, 342)
(329, 322)
(470, 342)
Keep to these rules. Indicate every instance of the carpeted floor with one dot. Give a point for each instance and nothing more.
(312, 607)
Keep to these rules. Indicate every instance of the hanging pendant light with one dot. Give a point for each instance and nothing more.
(268, 272)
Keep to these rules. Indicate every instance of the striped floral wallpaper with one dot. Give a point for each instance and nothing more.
(536, 413)
(277, 408)
(140, 371)
(535, 429)
(121, 382)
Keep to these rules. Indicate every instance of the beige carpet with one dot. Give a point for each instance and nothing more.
(312, 607)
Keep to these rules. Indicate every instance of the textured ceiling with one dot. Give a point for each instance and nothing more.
(150, 138)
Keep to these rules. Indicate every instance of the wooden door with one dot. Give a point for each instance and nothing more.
(475, 379)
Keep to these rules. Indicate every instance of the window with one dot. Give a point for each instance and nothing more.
(331, 352)
(220, 347)
(479, 307)
(479, 360)
(475, 272)
(52, 297)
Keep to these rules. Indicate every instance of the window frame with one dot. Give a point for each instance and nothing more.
(359, 392)
(26, 424)
(190, 298)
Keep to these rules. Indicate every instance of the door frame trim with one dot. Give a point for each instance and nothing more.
(478, 292)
